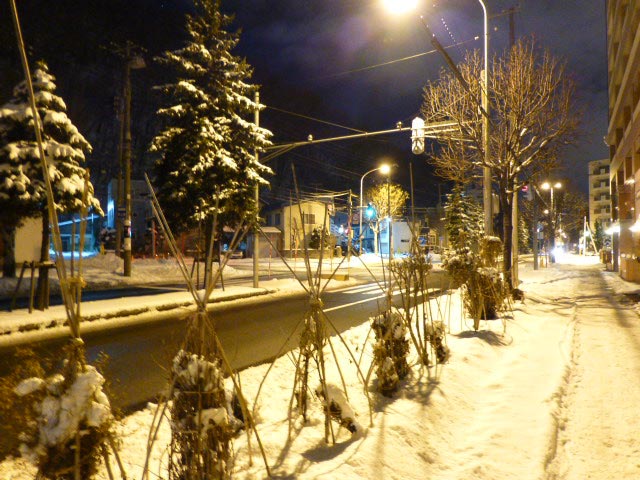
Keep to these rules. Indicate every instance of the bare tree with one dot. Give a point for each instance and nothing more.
(387, 199)
(532, 119)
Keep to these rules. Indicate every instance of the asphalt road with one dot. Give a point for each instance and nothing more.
(251, 333)
(130, 291)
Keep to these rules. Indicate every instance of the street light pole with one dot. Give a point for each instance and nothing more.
(389, 222)
(384, 169)
(552, 215)
(484, 106)
(486, 171)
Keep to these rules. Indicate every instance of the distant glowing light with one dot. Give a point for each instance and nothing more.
(400, 6)
(615, 228)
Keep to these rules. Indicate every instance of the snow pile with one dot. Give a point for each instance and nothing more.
(335, 401)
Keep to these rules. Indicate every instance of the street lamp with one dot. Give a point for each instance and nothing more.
(552, 213)
(400, 6)
(384, 169)
(403, 6)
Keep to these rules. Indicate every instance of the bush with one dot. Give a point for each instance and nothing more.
(13, 411)
(390, 350)
(484, 290)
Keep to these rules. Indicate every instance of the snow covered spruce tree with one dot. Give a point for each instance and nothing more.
(471, 262)
(464, 219)
(207, 148)
(22, 193)
(206, 173)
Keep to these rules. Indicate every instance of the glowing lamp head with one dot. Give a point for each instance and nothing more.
(398, 7)
(384, 169)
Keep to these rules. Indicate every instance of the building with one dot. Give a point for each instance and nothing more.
(623, 135)
(287, 219)
(599, 194)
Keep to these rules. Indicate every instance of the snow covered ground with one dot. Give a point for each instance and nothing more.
(554, 396)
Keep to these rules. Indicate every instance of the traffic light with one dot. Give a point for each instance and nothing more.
(370, 212)
(417, 136)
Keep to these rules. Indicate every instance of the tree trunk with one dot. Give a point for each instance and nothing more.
(8, 233)
(42, 288)
(507, 226)
(208, 264)
(375, 240)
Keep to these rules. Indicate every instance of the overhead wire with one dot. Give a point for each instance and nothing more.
(392, 62)
(307, 117)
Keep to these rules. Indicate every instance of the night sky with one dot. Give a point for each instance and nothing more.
(315, 58)
(323, 51)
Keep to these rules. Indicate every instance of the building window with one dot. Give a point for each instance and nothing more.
(309, 218)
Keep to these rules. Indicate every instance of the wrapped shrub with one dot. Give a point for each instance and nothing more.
(202, 421)
(436, 336)
(72, 417)
(460, 265)
(390, 350)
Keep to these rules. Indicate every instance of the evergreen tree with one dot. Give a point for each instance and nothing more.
(22, 191)
(598, 235)
(207, 148)
(464, 219)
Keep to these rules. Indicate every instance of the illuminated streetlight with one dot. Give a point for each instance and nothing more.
(384, 169)
(403, 6)
(400, 6)
(552, 219)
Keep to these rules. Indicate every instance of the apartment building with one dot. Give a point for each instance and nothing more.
(599, 194)
(623, 136)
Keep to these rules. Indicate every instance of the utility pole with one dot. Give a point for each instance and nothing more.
(256, 234)
(515, 237)
(534, 208)
(119, 183)
(349, 231)
(131, 62)
(126, 159)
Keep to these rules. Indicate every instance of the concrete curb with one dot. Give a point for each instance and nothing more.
(57, 327)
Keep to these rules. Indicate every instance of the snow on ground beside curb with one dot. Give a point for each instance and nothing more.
(495, 411)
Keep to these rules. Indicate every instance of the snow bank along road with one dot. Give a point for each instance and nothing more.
(252, 331)
(597, 424)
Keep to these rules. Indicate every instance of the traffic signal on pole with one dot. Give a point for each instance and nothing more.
(371, 212)
(417, 136)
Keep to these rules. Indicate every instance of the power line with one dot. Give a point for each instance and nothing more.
(392, 62)
(314, 119)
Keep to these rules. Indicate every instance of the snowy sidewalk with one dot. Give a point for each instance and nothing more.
(597, 419)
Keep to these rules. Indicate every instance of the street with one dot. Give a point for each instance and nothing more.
(251, 333)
